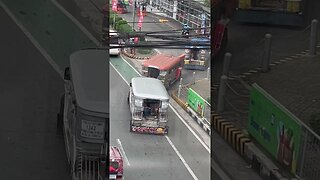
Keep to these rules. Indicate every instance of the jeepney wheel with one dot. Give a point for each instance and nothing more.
(60, 114)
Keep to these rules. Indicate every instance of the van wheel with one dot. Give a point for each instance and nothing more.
(128, 101)
(130, 126)
(60, 114)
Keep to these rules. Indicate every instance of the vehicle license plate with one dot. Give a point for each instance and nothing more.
(91, 129)
(112, 176)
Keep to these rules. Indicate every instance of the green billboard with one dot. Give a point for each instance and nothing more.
(274, 127)
(196, 102)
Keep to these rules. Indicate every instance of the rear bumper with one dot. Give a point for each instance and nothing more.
(149, 130)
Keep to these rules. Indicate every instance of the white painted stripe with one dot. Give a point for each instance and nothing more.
(119, 74)
(181, 158)
(76, 22)
(33, 40)
(158, 51)
(195, 134)
(123, 152)
(190, 129)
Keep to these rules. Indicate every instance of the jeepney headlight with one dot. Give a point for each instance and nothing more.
(164, 105)
(138, 102)
(187, 50)
(202, 51)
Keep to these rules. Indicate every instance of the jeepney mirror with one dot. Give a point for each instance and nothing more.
(67, 73)
(130, 84)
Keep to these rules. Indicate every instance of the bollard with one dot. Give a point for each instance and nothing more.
(222, 92)
(226, 63)
(194, 77)
(313, 37)
(208, 73)
(179, 91)
(266, 53)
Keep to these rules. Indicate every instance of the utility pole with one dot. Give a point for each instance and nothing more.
(133, 11)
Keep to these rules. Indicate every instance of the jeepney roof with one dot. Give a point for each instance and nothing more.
(149, 88)
(163, 62)
(90, 78)
(114, 153)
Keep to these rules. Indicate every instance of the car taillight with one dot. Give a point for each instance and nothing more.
(113, 166)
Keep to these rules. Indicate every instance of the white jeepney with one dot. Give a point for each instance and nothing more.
(149, 101)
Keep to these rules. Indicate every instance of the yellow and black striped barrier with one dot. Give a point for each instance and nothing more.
(234, 136)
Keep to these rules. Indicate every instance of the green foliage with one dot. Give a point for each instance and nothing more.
(124, 28)
(120, 22)
(315, 122)
(118, 18)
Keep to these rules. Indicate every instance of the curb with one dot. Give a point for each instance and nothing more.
(134, 56)
(201, 121)
(242, 144)
(234, 136)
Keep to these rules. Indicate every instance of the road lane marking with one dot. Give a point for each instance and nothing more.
(167, 138)
(123, 152)
(76, 22)
(181, 158)
(158, 51)
(33, 40)
(194, 133)
(119, 74)
(183, 121)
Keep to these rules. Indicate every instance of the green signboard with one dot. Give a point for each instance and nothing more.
(196, 102)
(274, 127)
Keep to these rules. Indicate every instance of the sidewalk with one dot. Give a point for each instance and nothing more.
(294, 83)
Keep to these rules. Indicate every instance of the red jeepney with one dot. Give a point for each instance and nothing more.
(115, 163)
(167, 68)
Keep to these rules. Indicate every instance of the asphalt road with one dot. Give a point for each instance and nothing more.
(151, 156)
(29, 92)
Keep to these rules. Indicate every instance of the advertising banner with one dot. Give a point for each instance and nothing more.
(274, 127)
(196, 102)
